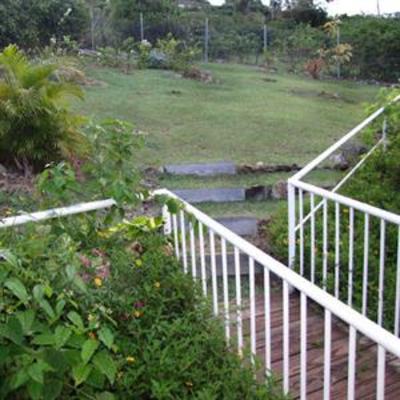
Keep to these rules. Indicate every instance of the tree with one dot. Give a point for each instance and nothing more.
(32, 23)
(96, 12)
(245, 6)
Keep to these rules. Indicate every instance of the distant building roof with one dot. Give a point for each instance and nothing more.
(192, 4)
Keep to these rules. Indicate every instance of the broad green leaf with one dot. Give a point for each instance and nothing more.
(10, 258)
(76, 319)
(38, 292)
(88, 349)
(45, 339)
(17, 288)
(4, 353)
(19, 379)
(105, 364)
(71, 271)
(12, 330)
(53, 389)
(96, 379)
(80, 373)
(35, 390)
(46, 307)
(60, 306)
(61, 336)
(36, 371)
(80, 284)
(106, 337)
(26, 319)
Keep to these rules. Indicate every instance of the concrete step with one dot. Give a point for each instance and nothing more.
(219, 195)
(201, 169)
(242, 226)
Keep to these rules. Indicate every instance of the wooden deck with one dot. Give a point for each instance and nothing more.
(366, 357)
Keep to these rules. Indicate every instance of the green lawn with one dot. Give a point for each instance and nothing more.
(242, 118)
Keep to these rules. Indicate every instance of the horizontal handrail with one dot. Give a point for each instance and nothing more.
(347, 201)
(324, 299)
(56, 212)
(327, 153)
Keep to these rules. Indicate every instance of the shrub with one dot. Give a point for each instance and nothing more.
(94, 312)
(36, 126)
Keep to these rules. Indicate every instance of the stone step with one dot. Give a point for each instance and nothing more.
(242, 226)
(218, 195)
(201, 169)
(277, 191)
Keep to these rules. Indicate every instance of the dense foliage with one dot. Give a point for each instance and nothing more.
(36, 126)
(295, 30)
(376, 183)
(32, 23)
(89, 311)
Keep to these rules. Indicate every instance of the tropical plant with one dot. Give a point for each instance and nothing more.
(36, 126)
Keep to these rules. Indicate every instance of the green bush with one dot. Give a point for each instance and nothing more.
(94, 312)
(36, 126)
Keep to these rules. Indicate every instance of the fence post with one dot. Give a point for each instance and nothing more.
(265, 37)
(167, 220)
(141, 27)
(292, 224)
(206, 38)
(384, 133)
(338, 66)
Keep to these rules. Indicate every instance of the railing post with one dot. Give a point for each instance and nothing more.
(167, 221)
(384, 133)
(292, 224)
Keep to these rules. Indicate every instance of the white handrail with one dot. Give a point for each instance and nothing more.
(56, 212)
(330, 303)
(327, 153)
(349, 202)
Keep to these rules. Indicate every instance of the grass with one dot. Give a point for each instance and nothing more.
(242, 118)
(257, 209)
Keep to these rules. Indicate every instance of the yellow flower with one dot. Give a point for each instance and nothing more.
(139, 263)
(130, 360)
(137, 314)
(98, 281)
(157, 285)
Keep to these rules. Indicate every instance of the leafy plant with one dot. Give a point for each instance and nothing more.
(36, 126)
(93, 311)
(109, 170)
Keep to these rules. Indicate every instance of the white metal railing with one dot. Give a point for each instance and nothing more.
(323, 245)
(246, 304)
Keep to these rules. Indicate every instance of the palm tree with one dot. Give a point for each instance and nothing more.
(36, 126)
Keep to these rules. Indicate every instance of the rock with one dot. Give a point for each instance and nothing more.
(279, 191)
(197, 74)
(348, 156)
(261, 167)
(3, 170)
(338, 161)
(259, 193)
